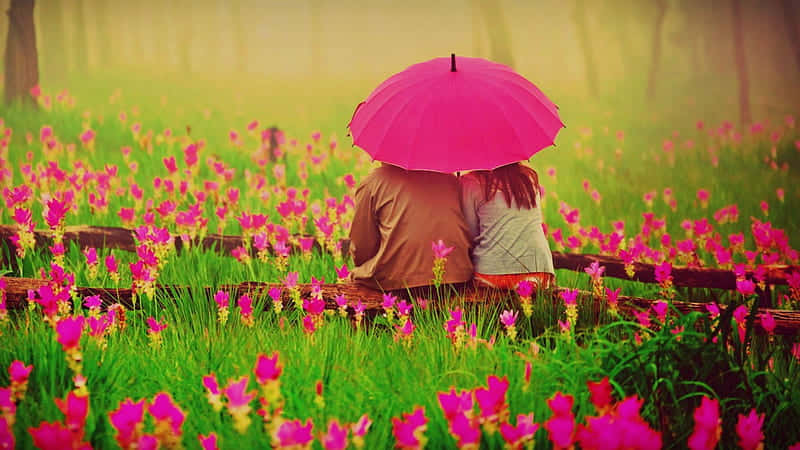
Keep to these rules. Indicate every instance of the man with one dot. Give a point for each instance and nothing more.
(398, 214)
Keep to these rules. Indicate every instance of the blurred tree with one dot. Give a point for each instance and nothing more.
(52, 38)
(80, 43)
(741, 61)
(661, 12)
(579, 17)
(477, 28)
(792, 28)
(497, 29)
(316, 37)
(21, 60)
(182, 18)
(689, 36)
(239, 39)
(102, 36)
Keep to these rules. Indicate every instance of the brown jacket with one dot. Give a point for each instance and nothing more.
(398, 214)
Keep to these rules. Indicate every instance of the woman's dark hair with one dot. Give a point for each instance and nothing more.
(514, 181)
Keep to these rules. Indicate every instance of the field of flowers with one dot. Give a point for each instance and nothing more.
(558, 369)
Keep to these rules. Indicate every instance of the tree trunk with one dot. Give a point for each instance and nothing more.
(741, 62)
(621, 32)
(792, 29)
(53, 47)
(579, 17)
(22, 66)
(499, 37)
(316, 38)
(656, 48)
(80, 42)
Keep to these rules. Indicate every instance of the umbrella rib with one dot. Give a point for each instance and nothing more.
(522, 105)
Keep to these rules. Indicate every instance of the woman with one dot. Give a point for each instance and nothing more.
(504, 217)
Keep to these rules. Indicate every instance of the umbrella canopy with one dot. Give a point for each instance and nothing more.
(449, 115)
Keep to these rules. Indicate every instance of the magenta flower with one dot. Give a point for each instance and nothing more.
(69, 332)
(440, 250)
(570, 296)
(359, 307)
(163, 409)
(91, 256)
(388, 301)
(409, 431)
(335, 438)
(19, 372)
(361, 427)
(267, 368)
(660, 308)
(767, 322)
(663, 272)
(707, 426)
(111, 264)
(222, 299)
(245, 304)
(466, 431)
(155, 326)
(404, 308)
(291, 280)
(407, 329)
(525, 288)
(342, 272)
(128, 421)
(453, 403)
(92, 302)
(492, 399)
(713, 310)
(561, 425)
(294, 433)
(600, 393)
(75, 409)
(748, 428)
(208, 442)
(517, 436)
(745, 287)
(50, 436)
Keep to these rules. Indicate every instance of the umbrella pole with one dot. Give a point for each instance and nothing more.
(452, 62)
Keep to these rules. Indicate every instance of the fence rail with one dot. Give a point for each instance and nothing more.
(123, 239)
(787, 322)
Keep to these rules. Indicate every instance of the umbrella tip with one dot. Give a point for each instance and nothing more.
(452, 62)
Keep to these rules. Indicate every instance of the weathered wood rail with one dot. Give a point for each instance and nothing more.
(787, 322)
(123, 239)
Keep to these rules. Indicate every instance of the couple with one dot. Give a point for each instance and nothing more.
(492, 218)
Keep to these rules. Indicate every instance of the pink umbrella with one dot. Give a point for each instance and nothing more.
(439, 117)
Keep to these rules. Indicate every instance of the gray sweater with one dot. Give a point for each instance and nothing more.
(505, 240)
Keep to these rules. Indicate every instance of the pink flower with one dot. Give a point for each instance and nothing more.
(335, 438)
(453, 403)
(361, 427)
(526, 428)
(342, 272)
(75, 409)
(525, 288)
(466, 431)
(267, 368)
(308, 325)
(6, 434)
(111, 264)
(155, 326)
(50, 436)
(663, 272)
(713, 310)
(508, 318)
(440, 250)
(707, 425)
(745, 287)
(600, 393)
(208, 442)
(612, 296)
(19, 372)
(69, 332)
(245, 305)
(748, 428)
(492, 399)
(660, 308)
(164, 409)
(410, 429)
(767, 322)
(561, 425)
(238, 397)
(222, 299)
(595, 270)
(294, 433)
(127, 420)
